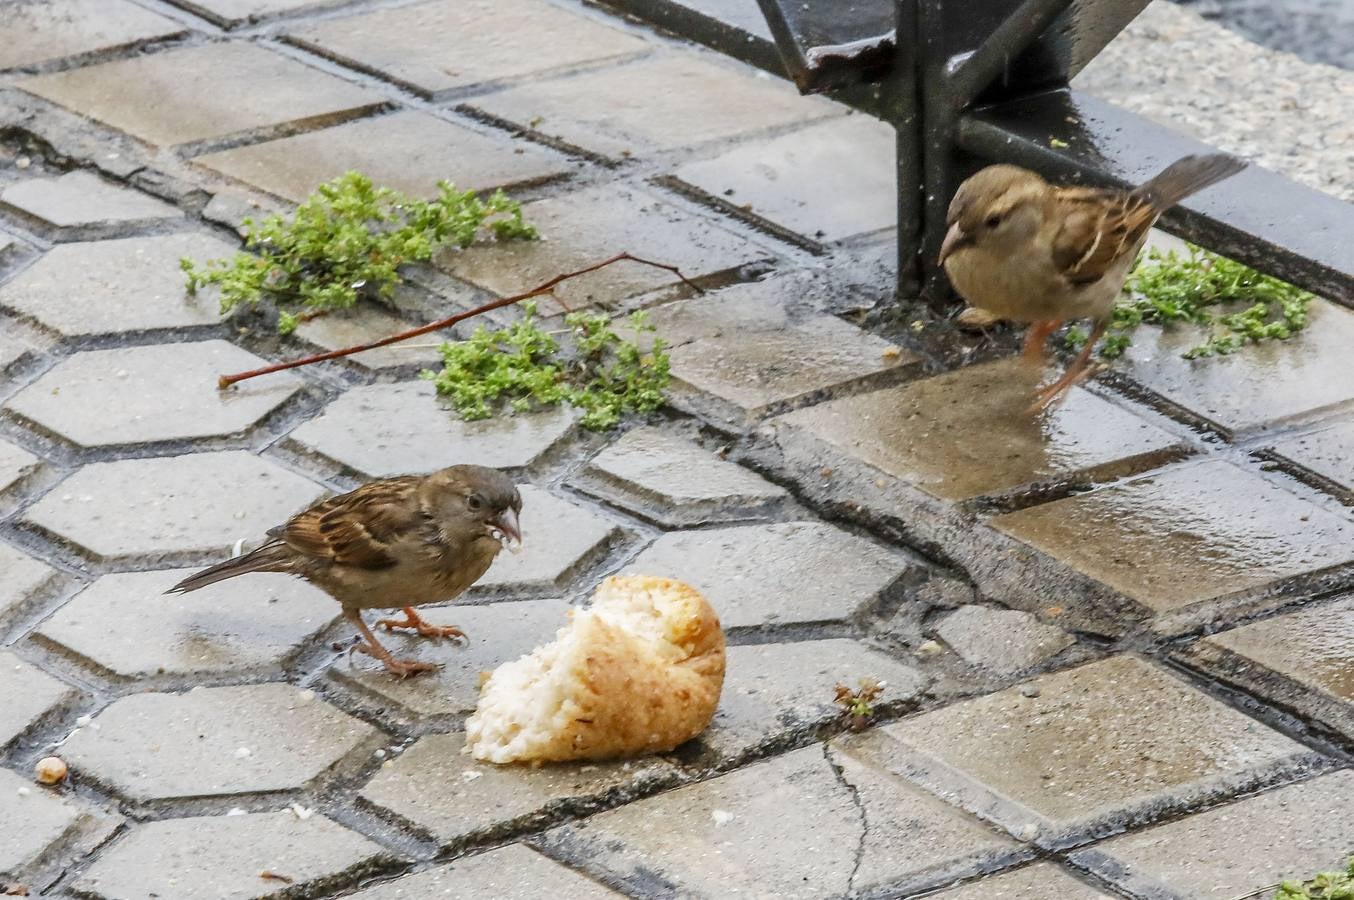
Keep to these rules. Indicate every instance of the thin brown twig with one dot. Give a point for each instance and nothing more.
(226, 381)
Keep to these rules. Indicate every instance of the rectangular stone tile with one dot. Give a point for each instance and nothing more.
(829, 181)
(655, 104)
(368, 322)
(80, 204)
(1240, 850)
(409, 151)
(440, 46)
(1002, 641)
(514, 872)
(195, 93)
(26, 695)
(236, 12)
(1328, 452)
(1100, 746)
(52, 29)
(817, 822)
(1041, 881)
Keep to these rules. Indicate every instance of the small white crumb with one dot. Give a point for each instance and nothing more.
(243, 753)
(306, 696)
(930, 649)
(301, 812)
(237, 548)
(380, 754)
(470, 775)
(235, 811)
(22, 162)
(722, 817)
(24, 792)
(1028, 832)
(84, 720)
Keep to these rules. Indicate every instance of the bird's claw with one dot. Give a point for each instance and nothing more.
(422, 628)
(400, 668)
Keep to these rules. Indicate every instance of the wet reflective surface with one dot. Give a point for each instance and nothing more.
(1314, 647)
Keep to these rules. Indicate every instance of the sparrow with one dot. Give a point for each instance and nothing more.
(396, 542)
(1022, 249)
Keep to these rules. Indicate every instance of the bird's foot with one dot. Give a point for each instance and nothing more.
(400, 668)
(1056, 392)
(414, 621)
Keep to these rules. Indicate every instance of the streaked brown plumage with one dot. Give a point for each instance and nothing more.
(397, 542)
(1020, 248)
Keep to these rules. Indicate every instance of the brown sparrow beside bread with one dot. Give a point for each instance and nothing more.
(1022, 249)
(397, 542)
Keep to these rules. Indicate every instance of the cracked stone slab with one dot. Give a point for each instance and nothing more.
(797, 180)
(40, 32)
(1185, 535)
(16, 464)
(52, 823)
(195, 93)
(559, 539)
(396, 429)
(228, 855)
(1102, 745)
(1243, 849)
(1002, 641)
(658, 103)
(1045, 881)
(1328, 452)
(27, 694)
(212, 742)
(587, 226)
(109, 287)
(406, 151)
(423, 46)
(675, 481)
(452, 797)
(498, 632)
(82, 204)
(195, 504)
(21, 577)
(252, 624)
(514, 872)
(812, 823)
(368, 322)
(780, 574)
(164, 392)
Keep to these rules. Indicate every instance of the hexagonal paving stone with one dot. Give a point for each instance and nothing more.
(48, 818)
(1329, 452)
(498, 632)
(236, 12)
(588, 226)
(1042, 880)
(229, 856)
(966, 433)
(214, 741)
(125, 625)
(1239, 850)
(16, 464)
(39, 32)
(162, 393)
(21, 577)
(559, 540)
(812, 823)
(397, 429)
(193, 93)
(15, 346)
(1003, 641)
(108, 287)
(200, 503)
(26, 695)
(422, 46)
(1186, 534)
(675, 481)
(779, 574)
(452, 797)
(83, 202)
(1100, 745)
(514, 872)
(797, 181)
(657, 103)
(368, 322)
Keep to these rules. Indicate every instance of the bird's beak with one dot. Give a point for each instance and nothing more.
(506, 523)
(954, 239)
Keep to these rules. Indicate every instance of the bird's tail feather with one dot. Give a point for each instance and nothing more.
(1186, 176)
(271, 557)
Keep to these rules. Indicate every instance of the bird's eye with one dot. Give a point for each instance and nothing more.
(475, 503)
(993, 221)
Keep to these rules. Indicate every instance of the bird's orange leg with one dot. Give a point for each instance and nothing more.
(1036, 337)
(372, 647)
(415, 621)
(1075, 374)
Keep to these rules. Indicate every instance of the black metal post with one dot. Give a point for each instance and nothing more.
(905, 113)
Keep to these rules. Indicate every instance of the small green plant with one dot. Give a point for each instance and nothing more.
(1170, 288)
(525, 367)
(348, 238)
(858, 705)
(1325, 886)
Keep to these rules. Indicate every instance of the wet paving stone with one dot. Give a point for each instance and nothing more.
(238, 12)
(1101, 745)
(588, 226)
(16, 464)
(654, 104)
(51, 822)
(229, 856)
(559, 539)
(1239, 850)
(1042, 880)
(406, 151)
(675, 481)
(124, 624)
(1328, 452)
(402, 428)
(781, 574)
(82, 204)
(423, 46)
(200, 503)
(195, 93)
(446, 793)
(109, 287)
(368, 322)
(214, 741)
(514, 872)
(1002, 641)
(26, 695)
(21, 577)
(796, 180)
(813, 823)
(1185, 535)
(54, 29)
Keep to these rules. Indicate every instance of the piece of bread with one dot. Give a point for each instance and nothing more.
(638, 671)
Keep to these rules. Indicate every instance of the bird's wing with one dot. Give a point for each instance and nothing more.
(357, 529)
(1098, 229)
